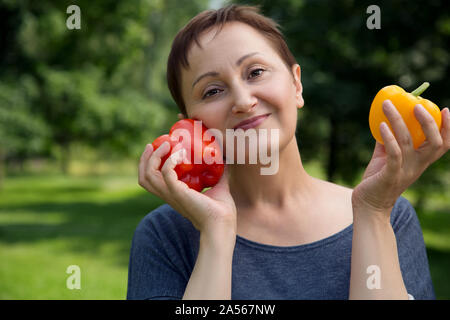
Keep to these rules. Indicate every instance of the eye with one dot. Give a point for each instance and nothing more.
(206, 95)
(253, 72)
(259, 69)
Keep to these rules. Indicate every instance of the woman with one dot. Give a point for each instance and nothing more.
(286, 235)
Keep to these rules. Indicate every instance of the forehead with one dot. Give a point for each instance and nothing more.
(233, 41)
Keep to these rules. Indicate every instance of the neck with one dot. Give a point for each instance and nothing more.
(289, 185)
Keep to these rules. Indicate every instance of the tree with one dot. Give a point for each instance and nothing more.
(22, 134)
(101, 85)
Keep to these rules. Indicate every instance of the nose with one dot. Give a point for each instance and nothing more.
(245, 101)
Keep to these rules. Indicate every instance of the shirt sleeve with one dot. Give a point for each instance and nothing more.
(412, 251)
(154, 271)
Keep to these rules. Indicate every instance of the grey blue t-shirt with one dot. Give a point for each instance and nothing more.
(165, 247)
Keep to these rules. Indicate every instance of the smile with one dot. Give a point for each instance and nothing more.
(252, 122)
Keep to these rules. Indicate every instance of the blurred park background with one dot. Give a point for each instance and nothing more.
(77, 108)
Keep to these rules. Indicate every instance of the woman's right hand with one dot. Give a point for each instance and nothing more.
(210, 212)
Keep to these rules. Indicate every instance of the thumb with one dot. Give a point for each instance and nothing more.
(223, 181)
(377, 161)
(222, 188)
(379, 151)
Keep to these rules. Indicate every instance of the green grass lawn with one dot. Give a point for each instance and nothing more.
(50, 222)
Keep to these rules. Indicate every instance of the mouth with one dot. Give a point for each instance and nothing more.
(252, 122)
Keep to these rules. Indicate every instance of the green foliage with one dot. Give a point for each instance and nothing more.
(102, 85)
(22, 133)
(81, 110)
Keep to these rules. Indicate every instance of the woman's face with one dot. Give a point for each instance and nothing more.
(247, 79)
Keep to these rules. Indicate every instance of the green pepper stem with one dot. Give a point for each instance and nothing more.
(420, 89)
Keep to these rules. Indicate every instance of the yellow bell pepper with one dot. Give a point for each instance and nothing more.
(404, 103)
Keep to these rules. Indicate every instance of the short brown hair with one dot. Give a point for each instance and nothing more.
(208, 19)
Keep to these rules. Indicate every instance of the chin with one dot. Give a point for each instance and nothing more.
(252, 151)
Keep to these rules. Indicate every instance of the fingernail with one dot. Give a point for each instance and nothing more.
(179, 157)
(421, 108)
(387, 104)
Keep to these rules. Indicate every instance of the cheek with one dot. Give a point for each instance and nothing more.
(278, 93)
(211, 114)
(215, 120)
(281, 96)
(286, 121)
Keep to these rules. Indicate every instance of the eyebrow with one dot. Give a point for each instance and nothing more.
(215, 73)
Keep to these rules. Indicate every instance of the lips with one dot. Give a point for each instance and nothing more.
(251, 122)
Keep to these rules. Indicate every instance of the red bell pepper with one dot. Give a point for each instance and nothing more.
(196, 175)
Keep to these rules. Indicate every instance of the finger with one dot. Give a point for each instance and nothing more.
(445, 129)
(180, 116)
(174, 186)
(430, 129)
(142, 181)
(144, 159)
(155, 160)
(148, 150)
(152, 174)
(392, 149)
(147, 186)
(400, 130)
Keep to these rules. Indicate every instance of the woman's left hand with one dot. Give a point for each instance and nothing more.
(396, 164)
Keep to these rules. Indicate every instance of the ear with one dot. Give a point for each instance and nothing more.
(296, 70)
(180, 116)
